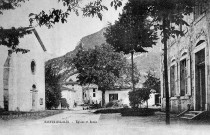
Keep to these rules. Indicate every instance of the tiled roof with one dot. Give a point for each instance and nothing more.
(65, 88)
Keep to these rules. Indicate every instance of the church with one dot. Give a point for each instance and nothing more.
(22, 76)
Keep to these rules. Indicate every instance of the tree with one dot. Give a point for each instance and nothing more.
(64, 103)
(10, 37)
(125, 79)
(138, 97)
(166, 15)
(52, 88)
(132, 32)
(91, 9)
(152, 82)
(100, 66)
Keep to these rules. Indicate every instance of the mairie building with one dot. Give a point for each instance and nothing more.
(189, 64)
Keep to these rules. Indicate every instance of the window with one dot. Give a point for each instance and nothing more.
(94, 94)
(172, 80)
(113, 97)
(183, 77)
(41, 101)
(33, 67)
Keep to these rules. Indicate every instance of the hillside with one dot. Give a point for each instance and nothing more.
(144, 61)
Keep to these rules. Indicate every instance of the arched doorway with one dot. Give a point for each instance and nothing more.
(200, 76)
(34, 97)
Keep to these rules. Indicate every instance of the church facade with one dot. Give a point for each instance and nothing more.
(22, 76)
(189, 64)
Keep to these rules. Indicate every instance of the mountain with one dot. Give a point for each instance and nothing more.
(144, 61)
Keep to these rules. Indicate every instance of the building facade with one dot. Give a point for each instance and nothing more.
(70, 96)
(91, 94)
(72, 84)
(189, 64)
(22, 76)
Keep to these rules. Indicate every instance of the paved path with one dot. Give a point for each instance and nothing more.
(83, 122)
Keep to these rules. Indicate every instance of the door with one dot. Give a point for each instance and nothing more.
(200, 91)
(33, 100)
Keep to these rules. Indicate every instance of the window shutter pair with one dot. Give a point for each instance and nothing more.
(188, 76)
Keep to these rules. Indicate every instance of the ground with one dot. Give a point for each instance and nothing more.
(84, 122)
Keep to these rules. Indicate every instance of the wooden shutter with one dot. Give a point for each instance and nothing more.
(188, 76)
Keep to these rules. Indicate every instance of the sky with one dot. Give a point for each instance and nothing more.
(62, 38)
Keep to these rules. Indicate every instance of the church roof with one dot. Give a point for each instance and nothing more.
(35, 33)
(65, 88)
(39, 39)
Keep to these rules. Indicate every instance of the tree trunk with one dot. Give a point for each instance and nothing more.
(133, 87)
(103, 98)
(166, 73)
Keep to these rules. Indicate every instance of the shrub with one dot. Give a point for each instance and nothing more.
(114, 103)
(64, 103)
(138, 97)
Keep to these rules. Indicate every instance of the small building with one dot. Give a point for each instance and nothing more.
(72, 84)
(69, 95)
(91, 94)
(22, 76)
(118, 94)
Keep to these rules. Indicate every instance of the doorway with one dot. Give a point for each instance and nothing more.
(200, 91)
(34, 97)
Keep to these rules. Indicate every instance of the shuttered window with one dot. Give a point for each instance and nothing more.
(172, 81)
(183, 77)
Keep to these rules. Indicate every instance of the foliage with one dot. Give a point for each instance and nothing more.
(100, 66)
(52, 89)
(64, 103)
(91, 9)
(138, 97)
(114, 103)
(166, 15)
(152, 82)
(10, 37)
(170, 11)
(125, 79)
(10, 4)
(132, 31)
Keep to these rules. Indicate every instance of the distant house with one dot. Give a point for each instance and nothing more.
(117, 94)
(22, 76)
(91, 94)
(71, 83)
(123, 96)
(69, 95)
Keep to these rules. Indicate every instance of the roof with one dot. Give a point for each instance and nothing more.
(68, 89)
(70, 82)
(39, 39)
(35, 33)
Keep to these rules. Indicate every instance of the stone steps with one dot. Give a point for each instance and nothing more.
(191, 114)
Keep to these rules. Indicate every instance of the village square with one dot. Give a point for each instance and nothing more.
(104, 67)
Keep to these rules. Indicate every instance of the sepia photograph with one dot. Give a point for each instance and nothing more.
(104, 67)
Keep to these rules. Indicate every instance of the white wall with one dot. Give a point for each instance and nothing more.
(88, 90)
(122, 95)
(69, 96)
